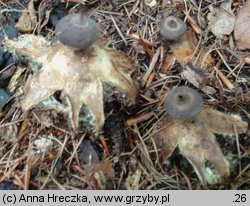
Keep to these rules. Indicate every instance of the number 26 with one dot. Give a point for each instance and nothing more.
(240, 198)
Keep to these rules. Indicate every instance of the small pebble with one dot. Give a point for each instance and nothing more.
(10, 31)
(4, 98)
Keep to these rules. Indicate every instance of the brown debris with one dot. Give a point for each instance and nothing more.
(221, 19)
(185, 50)
(28, 20)
(168, 63)
(242, 25)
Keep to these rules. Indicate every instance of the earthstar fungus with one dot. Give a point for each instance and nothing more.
(195, 136)
(84, 74)
(183, 103)
(172, 28)
(77, 31)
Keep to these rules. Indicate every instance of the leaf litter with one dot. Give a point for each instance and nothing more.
(221, 19)
(242, 24)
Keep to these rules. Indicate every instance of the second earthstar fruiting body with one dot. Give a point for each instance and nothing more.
(192, 129)
(172, 28)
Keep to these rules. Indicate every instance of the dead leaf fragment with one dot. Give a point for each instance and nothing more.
(196, 140)
(185, 51)
(208, 90)
(242, 25)
(194, 75)
(221, 20)
(43, 8)
(28, 20)
(168, 63)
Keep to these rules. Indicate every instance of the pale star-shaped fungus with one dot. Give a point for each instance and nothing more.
(82, 74)
(192, 128)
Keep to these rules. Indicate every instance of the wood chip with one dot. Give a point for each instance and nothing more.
(242, 25)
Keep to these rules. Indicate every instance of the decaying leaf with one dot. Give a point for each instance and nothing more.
(185, 51)
(194, 75)
(242, 25)
(221, 19)
(196, 140)
(28, 20)
(43, 9)
(168, 63)
(208, 90)
(82, 75)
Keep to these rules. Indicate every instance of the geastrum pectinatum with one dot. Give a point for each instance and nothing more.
(80, 66)
(172, 28)
(191, 127)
